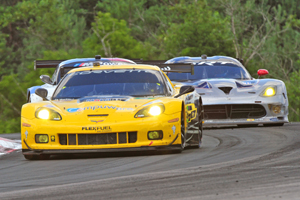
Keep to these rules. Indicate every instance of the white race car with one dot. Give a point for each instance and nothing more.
(230, 95)
(62, 67)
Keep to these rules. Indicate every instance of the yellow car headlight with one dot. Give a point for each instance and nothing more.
(41, 138)
(48, 114)
(269, 92)
(153, 110)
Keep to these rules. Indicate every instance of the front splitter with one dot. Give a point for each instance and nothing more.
(78, 151)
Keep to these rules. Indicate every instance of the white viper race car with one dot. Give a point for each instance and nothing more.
(230, 95)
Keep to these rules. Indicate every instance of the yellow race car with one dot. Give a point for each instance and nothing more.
(109, 108)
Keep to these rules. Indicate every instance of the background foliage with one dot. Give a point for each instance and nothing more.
(265, 33)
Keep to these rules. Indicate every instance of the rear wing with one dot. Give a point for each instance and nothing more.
(46, 63)
(172, 67)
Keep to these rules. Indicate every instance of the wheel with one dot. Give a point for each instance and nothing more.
(37, 157)
(182, 132)
(277, 124)
(200, 131)
(182, 136)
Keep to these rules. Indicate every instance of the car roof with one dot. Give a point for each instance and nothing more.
(77, 61)
(109, 67)
(187, 59)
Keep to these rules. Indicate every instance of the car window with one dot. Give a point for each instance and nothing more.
(54, 76)
(215, 70)
(111, 82)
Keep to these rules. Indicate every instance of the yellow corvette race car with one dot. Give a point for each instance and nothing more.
(109, 108)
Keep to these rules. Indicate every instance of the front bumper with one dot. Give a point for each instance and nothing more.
(82, 151)
(76, 142)
(263, 120)
(243, 114)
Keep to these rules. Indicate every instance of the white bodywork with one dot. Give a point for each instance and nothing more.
(36, 98)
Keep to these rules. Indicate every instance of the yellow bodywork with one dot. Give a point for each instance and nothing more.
(82, 122)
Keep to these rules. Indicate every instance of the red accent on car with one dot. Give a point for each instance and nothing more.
(262, 72)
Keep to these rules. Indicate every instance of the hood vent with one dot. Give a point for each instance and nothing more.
(226, 90)
(101, 115)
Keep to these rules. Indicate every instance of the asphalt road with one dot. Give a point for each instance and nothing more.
(233, 163)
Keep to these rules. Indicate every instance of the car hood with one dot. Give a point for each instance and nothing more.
(224, 91)
(98, 108)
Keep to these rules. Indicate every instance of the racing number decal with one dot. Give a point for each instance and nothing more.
(191, 112)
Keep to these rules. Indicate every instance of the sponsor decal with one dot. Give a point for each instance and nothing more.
(174, 129)
(52, 138)
(26, 125)
(166, 68)
(274, 119)
(204, 85)
(96, 128)
(26, 134)
(90, 64)
(72, 110)
(250, 120)
(100, 99)
(97, 121)
(173, 120)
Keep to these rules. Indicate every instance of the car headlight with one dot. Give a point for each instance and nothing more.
(153, 110)
(45, 113)
(269, 92)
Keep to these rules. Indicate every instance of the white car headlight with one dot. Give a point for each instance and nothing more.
(153, 110)
(45, 113)
(269, 91)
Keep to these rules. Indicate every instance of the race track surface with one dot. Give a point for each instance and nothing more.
(233, 163)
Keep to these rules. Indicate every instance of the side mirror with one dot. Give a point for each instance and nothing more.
(262, 72)
(184, 90)
(42, 92)
(46, 79)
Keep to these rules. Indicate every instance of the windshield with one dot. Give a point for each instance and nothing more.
(111, 82)
(216, 70)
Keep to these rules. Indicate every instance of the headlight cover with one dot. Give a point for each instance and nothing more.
(150, 111)
(48, 114)
(269, 91)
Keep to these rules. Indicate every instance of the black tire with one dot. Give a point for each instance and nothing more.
(182, 135)
(200, 129)
(37, 157)
(277, 124)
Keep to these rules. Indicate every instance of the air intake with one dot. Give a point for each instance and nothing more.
(226, 90)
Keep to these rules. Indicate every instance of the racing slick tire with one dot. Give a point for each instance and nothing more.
(200, 130)
(182, 135)
(37, 157)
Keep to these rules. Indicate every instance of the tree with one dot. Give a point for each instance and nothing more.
(111, 38)
(198, 30)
